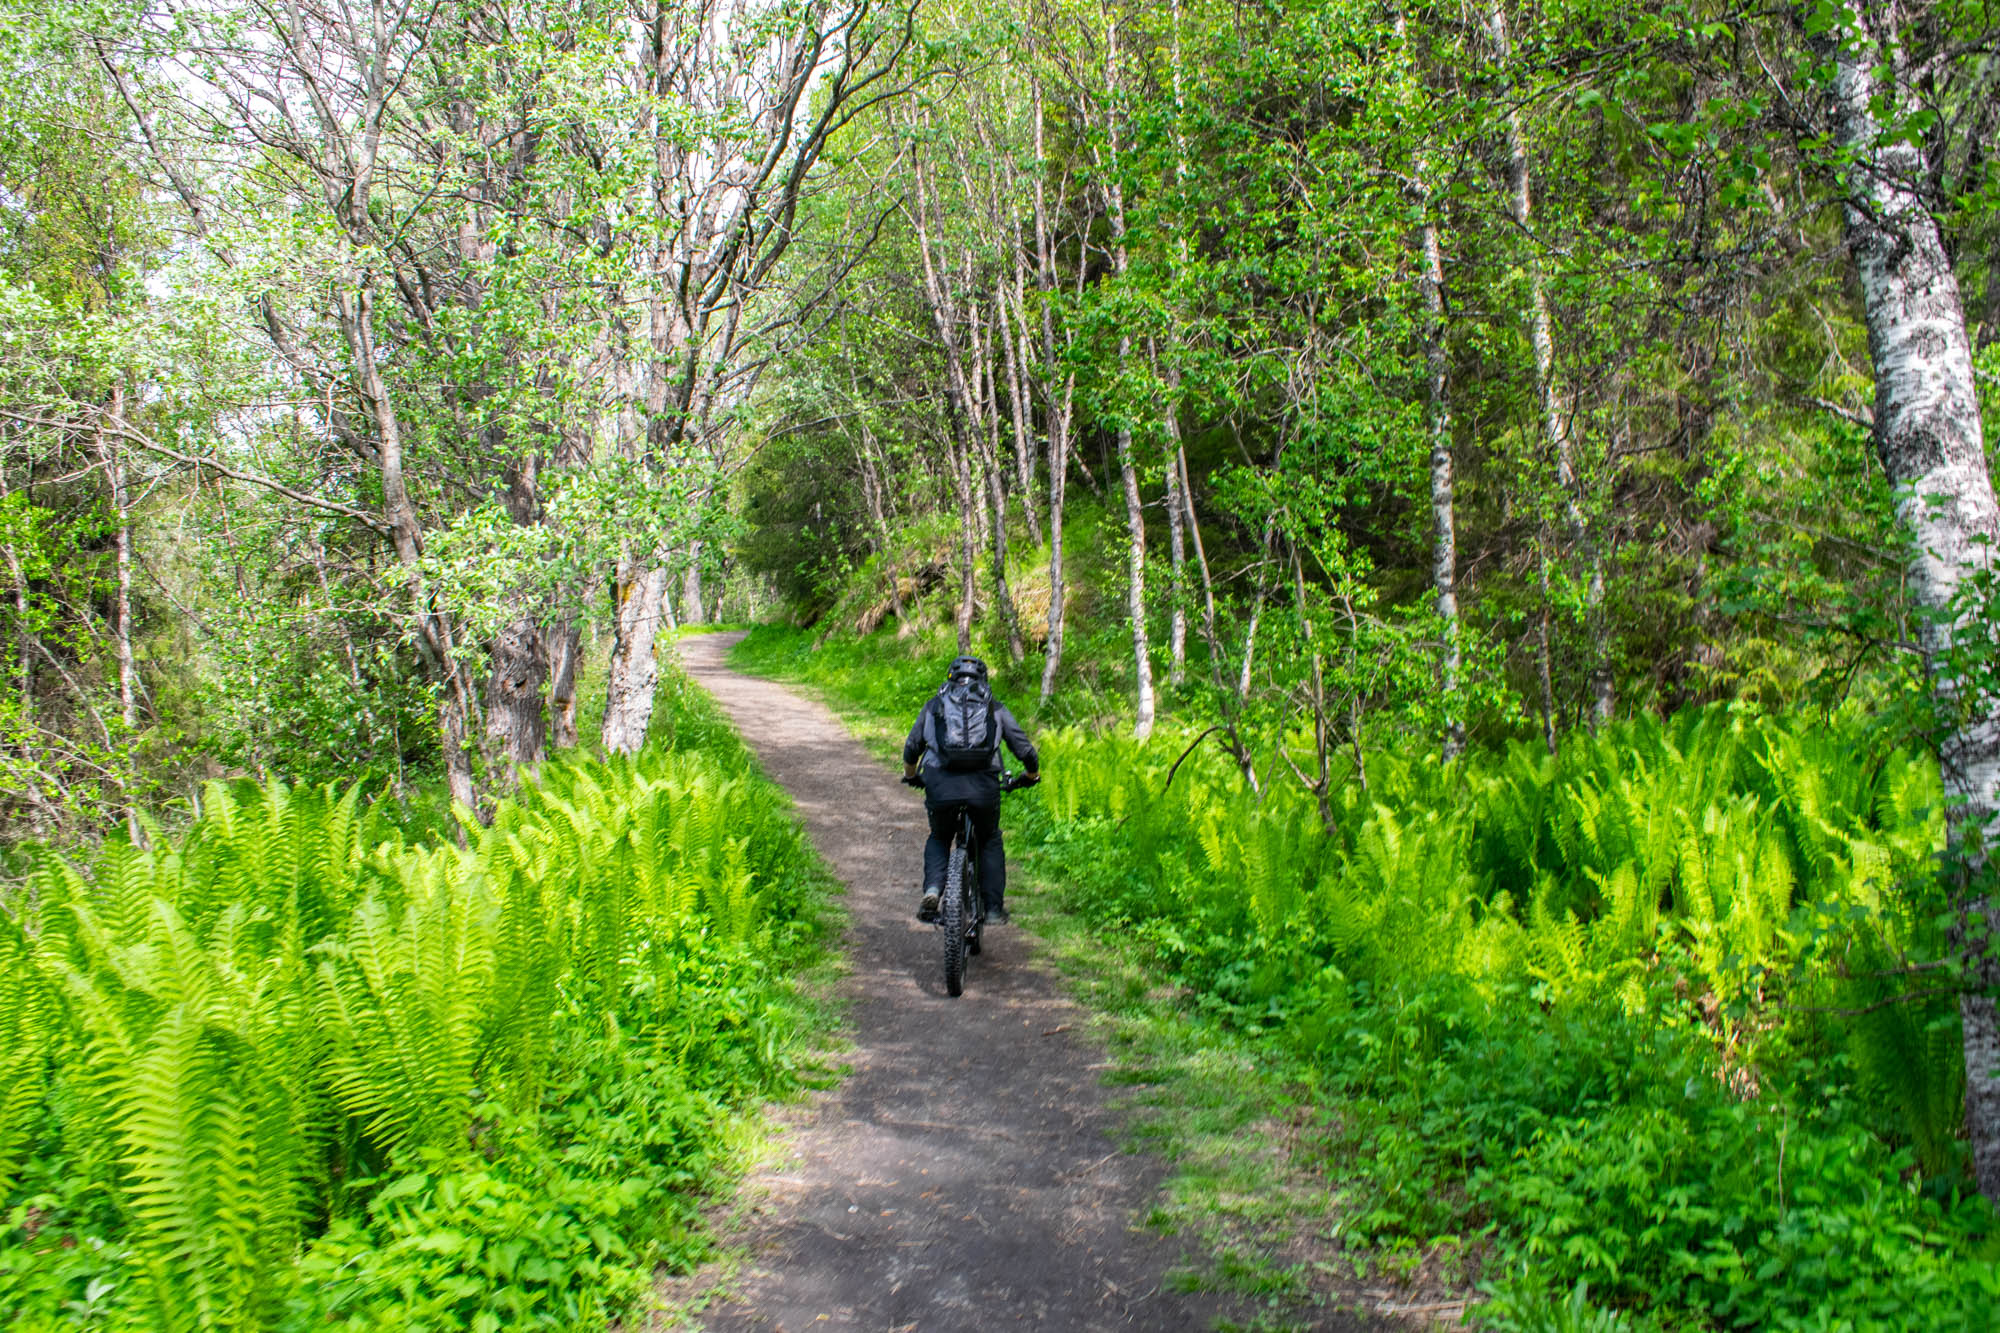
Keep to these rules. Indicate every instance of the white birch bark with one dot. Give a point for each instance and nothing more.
(25, 666)
(1177, 512)
(121, 507)
(968, 535)
(1444, 527)
(1553, 403)
(1014, 342)
(986, 376)
(121, 629)
(1444, 530)
(635, 670)
(1179, 508)
(1929, 435)
(693, 610)
(1058, 403)
(1135, 517)
(1135, 584)
(963, 405)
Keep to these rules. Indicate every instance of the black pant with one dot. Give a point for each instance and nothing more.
(985, 833)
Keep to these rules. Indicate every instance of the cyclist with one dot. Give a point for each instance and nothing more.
(953, 753)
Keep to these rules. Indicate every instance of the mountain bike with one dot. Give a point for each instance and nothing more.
(960, 911)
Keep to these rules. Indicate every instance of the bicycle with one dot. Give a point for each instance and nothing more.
(960, 915)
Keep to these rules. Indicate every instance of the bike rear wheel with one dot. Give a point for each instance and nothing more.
(951, 916)
(973, 913)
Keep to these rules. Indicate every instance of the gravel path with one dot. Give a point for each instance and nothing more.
(967, 1172)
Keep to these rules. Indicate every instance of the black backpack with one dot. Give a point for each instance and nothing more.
(964, 733)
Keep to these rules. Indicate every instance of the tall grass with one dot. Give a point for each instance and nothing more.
(299, 1069)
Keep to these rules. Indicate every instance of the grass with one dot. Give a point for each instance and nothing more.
(1240, 1122)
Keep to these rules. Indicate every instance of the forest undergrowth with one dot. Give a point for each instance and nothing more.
(307, 1067)
(1641, 1036)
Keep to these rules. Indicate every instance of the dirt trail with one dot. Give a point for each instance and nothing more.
(966, 1173)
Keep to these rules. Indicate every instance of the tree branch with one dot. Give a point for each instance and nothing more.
(124, 430)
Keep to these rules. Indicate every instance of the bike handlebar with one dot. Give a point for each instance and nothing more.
(1008, 781)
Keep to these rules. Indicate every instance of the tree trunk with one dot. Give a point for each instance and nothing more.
(1057, 406)
(1176, 539)
(1555, 409)
(1052, 649)
(1014, 341)
(1243, 760)
(996, 493)
(1444, 529)
(1180, 510)
(561, 634)
(962, 405)
(457, 707)
(694, 609)
(1176, 578)
(872, 483)
(635, 669)
(565, 641)
(26, 666)
(1230, 704)
(1444, 532)
(1135, 586)
(121, 630)
(1003, 598)
(693, 602)
(1321, 783)
(1928, 432)
(1603, 685)
(515, 725)
(968, 535)
(1135, 517)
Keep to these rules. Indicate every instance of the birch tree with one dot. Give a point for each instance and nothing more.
(1931, 441)
(1556, 410)
(1111, 167)
(772, 85)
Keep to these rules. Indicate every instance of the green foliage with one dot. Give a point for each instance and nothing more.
(1645, 1023)
(1583, 1006)
(290, 697)
(883, 677)
(300, 1069)
(1526, 1306)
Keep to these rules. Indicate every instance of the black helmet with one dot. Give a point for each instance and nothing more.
(966, 668)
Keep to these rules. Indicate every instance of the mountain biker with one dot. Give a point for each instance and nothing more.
(957, 737)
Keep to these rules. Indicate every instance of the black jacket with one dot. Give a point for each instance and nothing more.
(979, 788)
